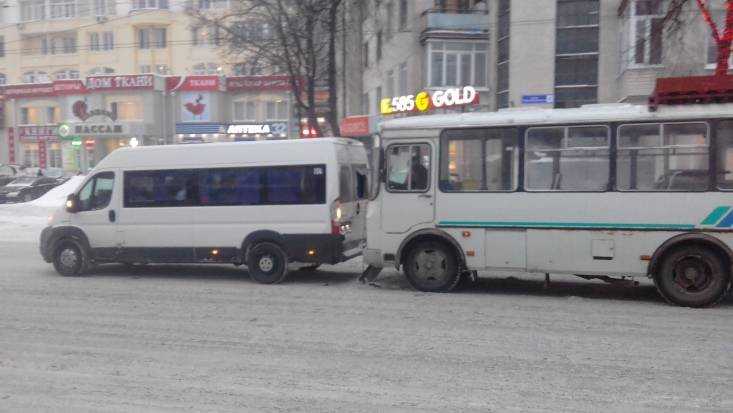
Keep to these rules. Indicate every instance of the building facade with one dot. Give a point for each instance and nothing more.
(539, 53)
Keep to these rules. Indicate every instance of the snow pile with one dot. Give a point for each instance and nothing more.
(57, 196)
(23, 222)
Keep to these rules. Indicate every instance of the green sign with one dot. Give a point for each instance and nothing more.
(64, 131)
(76, 141)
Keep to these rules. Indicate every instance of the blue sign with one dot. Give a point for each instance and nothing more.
(537, 99)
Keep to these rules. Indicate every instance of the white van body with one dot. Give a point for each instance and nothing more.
(166, 204)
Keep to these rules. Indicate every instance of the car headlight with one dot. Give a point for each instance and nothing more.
(12, 194)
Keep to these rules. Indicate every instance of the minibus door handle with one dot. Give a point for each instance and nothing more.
(427, 196)
(112, 215)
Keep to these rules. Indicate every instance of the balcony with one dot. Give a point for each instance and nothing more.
(459, 24)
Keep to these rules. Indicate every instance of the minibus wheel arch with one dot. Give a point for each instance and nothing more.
(258, 237)
(430, 235)
(63, 233)
(690, 239)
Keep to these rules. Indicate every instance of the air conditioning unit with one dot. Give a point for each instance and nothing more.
(101, 19)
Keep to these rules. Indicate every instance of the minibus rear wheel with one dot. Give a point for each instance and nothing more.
(432, 266)
(69, 259)
(693, 276)
(267, 263)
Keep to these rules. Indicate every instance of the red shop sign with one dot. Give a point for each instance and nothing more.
(193, 83)
(353, 126)
(120, 82)
(42, 154)
(11, 146)
(259, 83)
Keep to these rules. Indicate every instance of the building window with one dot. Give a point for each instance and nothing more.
(502, 54)
(276, 110)
(379, 45)
(390, 83)
(388, 24)
(104, 7)
(206, 69)
(30, 116)
(100, 71)
(66, 74)
(94, 43)
(365, 54)
(149, 4)
(457, 64)
(152, 38)
(403, 14)
(402, 79)
(31, 10)
(126, 108)
(212, 4)
(576, 48)
(205, 36)
(53, 114)
(643, 34)
(62, 9)
(245, 110)
(3, 79)
(365, 107)
(35, 76)
(2, 46)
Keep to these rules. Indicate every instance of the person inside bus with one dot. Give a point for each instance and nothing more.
(418, 171)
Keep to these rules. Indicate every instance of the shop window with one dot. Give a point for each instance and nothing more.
(276, 110)
(127, 110)
(53, 114)
(30, 116)
(663, 157)
(30, 154)
(245, 110)
(575, 158)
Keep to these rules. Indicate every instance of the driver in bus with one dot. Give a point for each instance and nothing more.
(418, 171)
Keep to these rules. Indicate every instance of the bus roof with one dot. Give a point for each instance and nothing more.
(537, 116)
(229, 153)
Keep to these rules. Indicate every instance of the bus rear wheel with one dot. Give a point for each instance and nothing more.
(267, 263)
(693, 276)
(432, 267)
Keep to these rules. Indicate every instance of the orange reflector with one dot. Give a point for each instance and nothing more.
(646, 257)
(466, 234)
(471, 253)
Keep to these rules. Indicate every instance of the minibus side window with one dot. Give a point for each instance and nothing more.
(408, 168)
(97, 193)
(362, 182)
(346, 185)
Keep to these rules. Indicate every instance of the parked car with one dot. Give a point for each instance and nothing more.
(27, 188)
(8, 173)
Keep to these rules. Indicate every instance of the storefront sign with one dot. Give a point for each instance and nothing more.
(424, 101)
(262, 129)
(121, 82)
(537, 99)
(353, 126)
(200, 128)
(193, 83)
(68, 87)
(37, 133)
(101, 129)
(81, 111)
(195, 107)
(259, 83)
(42, 156)
(29, 90)
(64, 131)
(11, 145)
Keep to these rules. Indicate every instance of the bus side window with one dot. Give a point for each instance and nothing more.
(408, 168)
(725, 156)
(361, 183)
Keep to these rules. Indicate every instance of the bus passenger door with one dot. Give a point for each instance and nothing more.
(409, 198)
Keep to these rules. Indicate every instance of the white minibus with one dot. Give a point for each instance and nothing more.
(602, 191)
(262, 204)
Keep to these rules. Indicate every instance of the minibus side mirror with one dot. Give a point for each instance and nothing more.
(72, 204)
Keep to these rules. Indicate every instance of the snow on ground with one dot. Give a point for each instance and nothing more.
(24, 221)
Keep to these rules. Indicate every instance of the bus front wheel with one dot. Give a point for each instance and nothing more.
(432, 267)
(692, 276)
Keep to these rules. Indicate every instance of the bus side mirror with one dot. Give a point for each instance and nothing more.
(72, 204)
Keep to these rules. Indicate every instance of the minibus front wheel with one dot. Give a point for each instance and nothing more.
(267, 263)
(69, 258)
(432, 266)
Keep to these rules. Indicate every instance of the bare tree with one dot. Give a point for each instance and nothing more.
(723, 36)
(296, 37)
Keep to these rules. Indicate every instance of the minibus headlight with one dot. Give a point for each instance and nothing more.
(338, 213)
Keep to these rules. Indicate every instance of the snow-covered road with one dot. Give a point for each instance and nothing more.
(201, 338)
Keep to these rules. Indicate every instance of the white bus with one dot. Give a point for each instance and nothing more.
(602, 191)
(262, 204)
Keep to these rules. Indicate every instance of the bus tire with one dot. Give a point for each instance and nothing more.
(69, 258)
(432, 266)
(692, 276)
(267, 263)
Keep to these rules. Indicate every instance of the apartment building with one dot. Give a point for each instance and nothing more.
(539, 53)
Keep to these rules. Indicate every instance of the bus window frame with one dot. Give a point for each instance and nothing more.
(387, 166)
(611, 148)
(518, 158)
(711, 146)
